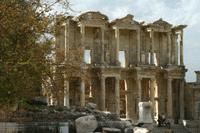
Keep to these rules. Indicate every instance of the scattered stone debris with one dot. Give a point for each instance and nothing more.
(86, 124)
(80, 119)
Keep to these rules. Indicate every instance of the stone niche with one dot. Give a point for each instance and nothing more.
(145, 112)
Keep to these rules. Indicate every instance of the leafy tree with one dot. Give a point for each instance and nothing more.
(26, 27)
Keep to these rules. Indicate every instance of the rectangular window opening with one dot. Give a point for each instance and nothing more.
(122, 58)
(87, 56)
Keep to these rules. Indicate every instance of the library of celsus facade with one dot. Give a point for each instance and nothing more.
(125, 62)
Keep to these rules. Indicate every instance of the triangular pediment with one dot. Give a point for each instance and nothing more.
(92, 15)
(128, 20)
(161, 22)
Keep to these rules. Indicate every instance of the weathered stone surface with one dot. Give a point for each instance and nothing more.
(128, 130)
(86, 124)
(115, 124)
(111, 130)
(140, 130)
(146, 49)
(91, 105)
(145, 112)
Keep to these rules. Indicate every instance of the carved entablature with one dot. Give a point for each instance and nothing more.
(160, 26)
(126, 22)
(94, 19)
(179, 28)
(175, 73)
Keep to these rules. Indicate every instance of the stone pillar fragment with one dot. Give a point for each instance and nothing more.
(82, 93)
(169, 98)
(145, 112)
(117, 96)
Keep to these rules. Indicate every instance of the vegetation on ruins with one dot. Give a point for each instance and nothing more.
(26, 44)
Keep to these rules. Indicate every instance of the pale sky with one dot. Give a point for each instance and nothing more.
(174, 11)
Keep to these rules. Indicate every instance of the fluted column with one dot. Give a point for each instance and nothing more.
(102, 94)
(66, 91)
(117, 44)
(169, 98)
(138, 46)
(181, 48)
(169, 47)
(82, 93)
(117, 96)
(182, 112)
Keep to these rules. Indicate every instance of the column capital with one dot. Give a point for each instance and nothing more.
(169, 79)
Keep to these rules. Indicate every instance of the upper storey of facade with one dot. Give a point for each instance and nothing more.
(123, 41)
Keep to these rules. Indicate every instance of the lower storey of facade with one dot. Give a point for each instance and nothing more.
(120, 90)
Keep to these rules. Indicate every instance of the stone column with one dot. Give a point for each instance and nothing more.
(173, 46)
(82, 93)
(82, 40)
(152, 94)
(169, 98)
(128, 98)
(117, 44)
(181, 48)
(139, 89)
(103, 94)
(66, 91)
(66, 41)
(169, 47)
(176, 49)
(102, 45)
(117, 96)
(152, 47)
(182, 112)
(138, 46)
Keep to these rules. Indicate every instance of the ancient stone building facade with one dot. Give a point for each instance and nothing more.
(192, 99)
(126, 62)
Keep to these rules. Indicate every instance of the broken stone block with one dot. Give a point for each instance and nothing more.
(140, 130)
(86, 124)
(145, 112)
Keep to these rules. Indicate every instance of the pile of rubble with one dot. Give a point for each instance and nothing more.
(80, 119)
